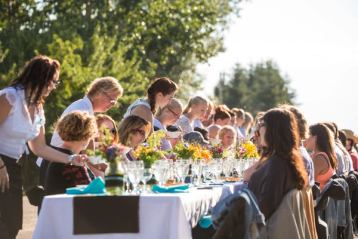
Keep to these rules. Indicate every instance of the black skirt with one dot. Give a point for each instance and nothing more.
(11, 200)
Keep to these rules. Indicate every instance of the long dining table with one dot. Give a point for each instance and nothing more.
(160, 215)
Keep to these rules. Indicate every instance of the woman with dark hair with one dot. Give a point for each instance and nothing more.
(321, 143)
(22, 121)
(344, 161)
(283, 169)
(159, 94)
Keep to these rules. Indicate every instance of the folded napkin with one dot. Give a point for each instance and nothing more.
(182, 188)
(205, 221)
(97, 186)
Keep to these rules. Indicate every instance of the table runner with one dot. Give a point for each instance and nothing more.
(105, 214)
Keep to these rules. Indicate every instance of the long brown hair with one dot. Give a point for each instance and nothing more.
(324, 141)
(35, 77)
(282, 140)
(160, 85)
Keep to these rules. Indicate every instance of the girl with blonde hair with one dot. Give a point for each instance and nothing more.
(195, 109)
(227, 136)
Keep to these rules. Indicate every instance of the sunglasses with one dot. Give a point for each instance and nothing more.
(261, 124)
(139, 131)
(55, 83)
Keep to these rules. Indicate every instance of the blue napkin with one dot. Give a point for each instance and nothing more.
(97, 186)
(183, 188)
(205, 221)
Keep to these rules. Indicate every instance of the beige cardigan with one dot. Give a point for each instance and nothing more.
(294, 218)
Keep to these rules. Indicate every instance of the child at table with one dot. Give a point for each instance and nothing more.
(76, 130)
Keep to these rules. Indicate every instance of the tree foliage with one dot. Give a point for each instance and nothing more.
(258, 88)
(133, 41)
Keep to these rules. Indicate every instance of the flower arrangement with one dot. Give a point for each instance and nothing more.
(150, 152)
(247, 150)
(218, 151)
(192, 151)
(106, 152)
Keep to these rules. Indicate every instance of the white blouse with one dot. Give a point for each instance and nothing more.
(81, 105)
(18, 128)
(134, 105)
(184, 124)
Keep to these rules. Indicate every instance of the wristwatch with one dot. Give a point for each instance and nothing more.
(71, 158)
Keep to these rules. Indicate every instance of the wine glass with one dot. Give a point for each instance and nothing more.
(147, 175)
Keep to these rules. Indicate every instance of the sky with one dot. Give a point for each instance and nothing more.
(314, 43)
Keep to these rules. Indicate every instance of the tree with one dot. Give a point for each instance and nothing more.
(258, 88)
(134, 41)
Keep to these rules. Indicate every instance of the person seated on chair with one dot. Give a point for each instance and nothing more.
(133, 131)
(76, 130)
(283, 170)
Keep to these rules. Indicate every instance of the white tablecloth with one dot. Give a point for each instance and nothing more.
(161, 216)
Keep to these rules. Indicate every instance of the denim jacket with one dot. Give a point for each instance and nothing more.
(238, 215)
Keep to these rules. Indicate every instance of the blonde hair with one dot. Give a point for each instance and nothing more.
(196, 100)
(76, 126)
(173, 104)
(100, 118)
(104, 84)
(225, 129)
(129, 124)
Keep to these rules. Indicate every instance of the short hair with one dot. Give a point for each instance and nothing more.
(76, 126)
(130, 123)
(225, 129)
(100, 118)
(106, 84)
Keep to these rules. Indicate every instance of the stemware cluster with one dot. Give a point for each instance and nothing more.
(182, 171)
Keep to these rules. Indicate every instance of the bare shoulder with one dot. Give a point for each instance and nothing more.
(5, 108)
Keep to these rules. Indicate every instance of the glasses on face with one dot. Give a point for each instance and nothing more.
(55, 83)
(173, 112)
(113, 101)
(139, 131)
(261, 124)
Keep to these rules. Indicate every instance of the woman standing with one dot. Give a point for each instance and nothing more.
(22, 121)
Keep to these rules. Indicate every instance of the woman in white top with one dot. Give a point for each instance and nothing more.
(195, 109)
(102, 94)
(166, 116)
(22, 121)
(159, 94)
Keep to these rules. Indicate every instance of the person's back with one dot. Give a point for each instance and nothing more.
(271, 182)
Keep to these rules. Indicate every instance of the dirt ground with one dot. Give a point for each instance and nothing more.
(29, 220)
